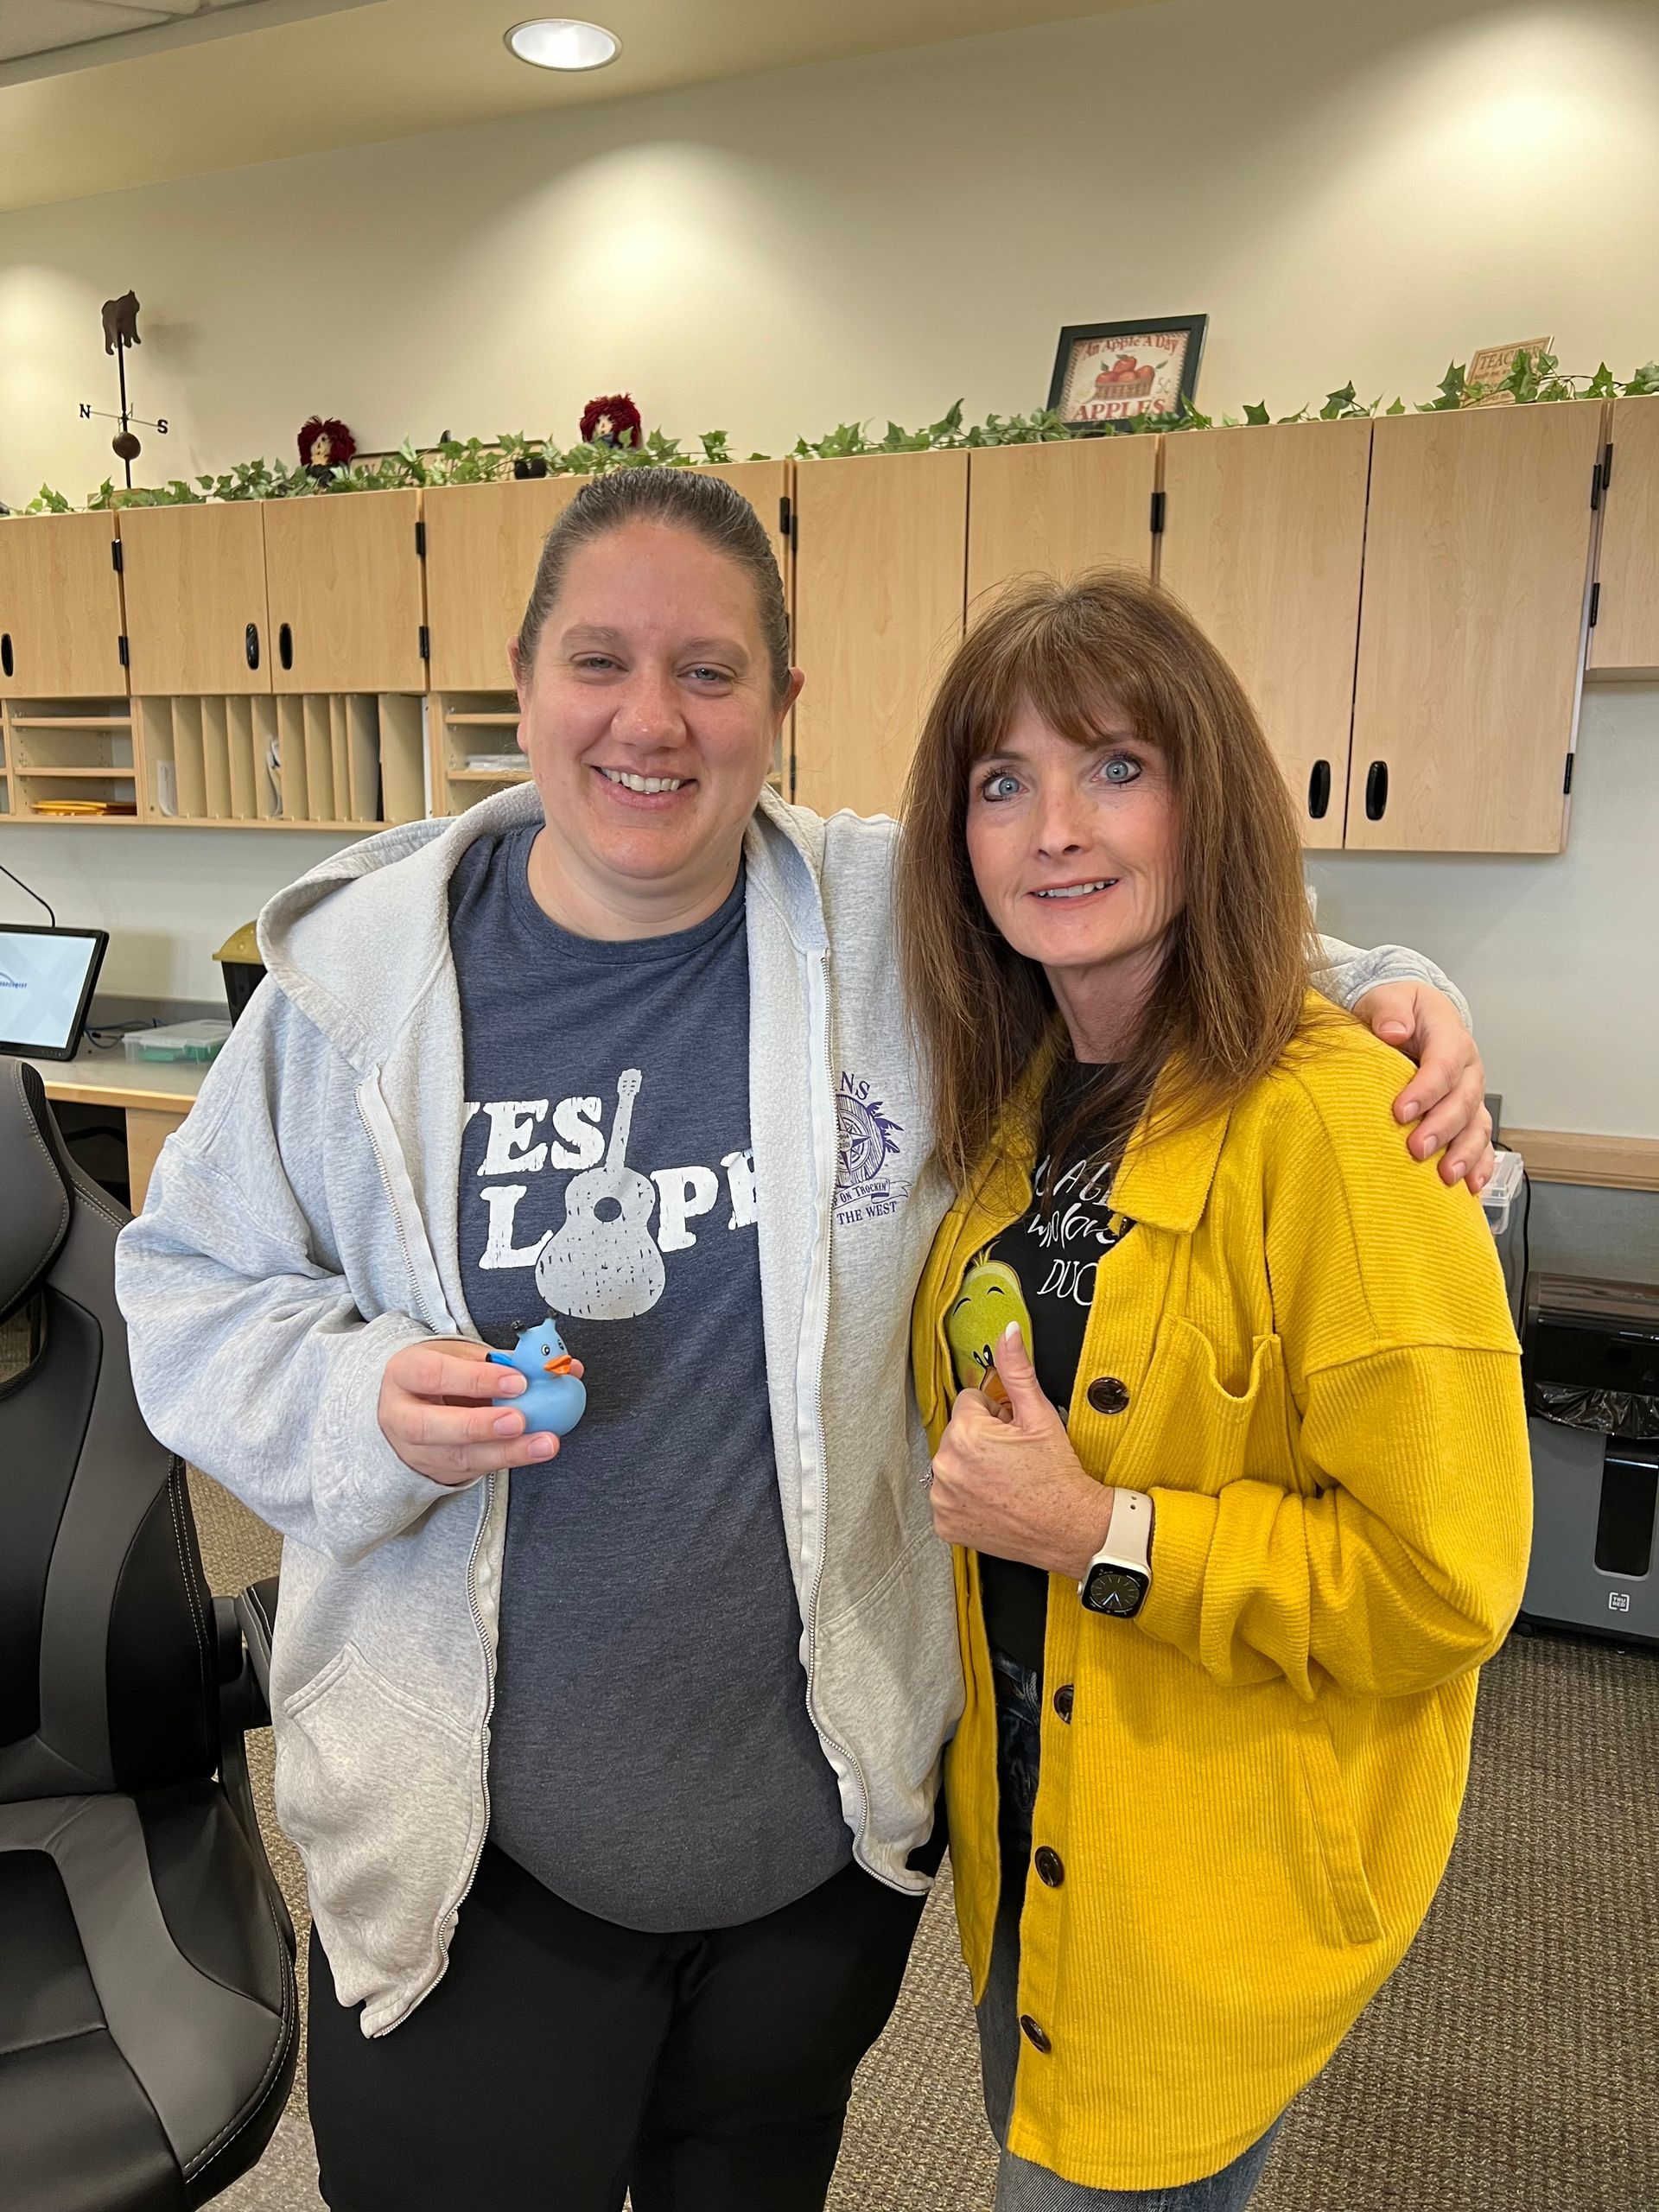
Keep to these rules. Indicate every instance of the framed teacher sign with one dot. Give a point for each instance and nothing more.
(1104, 373)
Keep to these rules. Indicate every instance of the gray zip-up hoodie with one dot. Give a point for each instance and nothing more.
(300, 1227)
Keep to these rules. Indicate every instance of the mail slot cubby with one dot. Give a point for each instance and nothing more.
(70, 760)
(307, 760)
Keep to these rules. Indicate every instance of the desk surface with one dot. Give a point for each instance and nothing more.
(106, 1079)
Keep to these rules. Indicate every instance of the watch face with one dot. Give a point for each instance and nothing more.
(1114, 1590)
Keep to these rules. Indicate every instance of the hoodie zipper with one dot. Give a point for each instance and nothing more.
(397, 1209)
(814, 1332)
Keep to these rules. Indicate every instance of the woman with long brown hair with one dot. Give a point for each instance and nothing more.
(1225, 1407)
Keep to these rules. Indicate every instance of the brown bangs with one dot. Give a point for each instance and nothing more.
(1105, 655)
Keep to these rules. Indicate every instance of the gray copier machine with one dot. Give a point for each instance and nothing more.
(1591, 1363)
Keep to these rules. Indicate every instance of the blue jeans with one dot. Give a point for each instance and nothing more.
(1021, 2187)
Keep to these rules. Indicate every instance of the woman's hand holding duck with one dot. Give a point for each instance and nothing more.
(1006, 1480)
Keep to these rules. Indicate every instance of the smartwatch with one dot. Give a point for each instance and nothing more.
(1120, 1573)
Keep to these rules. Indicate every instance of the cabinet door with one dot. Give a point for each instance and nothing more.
(1626, 635)
(59, 608)
(1058, 509)
(482, 543)
(1264, 535)
(347, 603)
(764, 485)
(194, 581)
(1472, 629)
(880, 566)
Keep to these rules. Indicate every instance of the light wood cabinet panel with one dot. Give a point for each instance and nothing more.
(61, 620)
(1626, 635)
(195, 584)
(764, 485)
(1471, 633)
(482, 544)
(347, 602)
(1264, 538)
(1058, 509)
(880, 591)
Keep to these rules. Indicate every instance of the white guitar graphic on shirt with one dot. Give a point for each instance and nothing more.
(602, 1264)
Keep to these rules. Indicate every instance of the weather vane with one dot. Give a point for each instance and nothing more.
(120, 331)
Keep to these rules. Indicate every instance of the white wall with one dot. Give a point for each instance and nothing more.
(1558, 957)
(1361, 190)
(1345, 190)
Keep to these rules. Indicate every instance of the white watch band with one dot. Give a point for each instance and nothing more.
(1128, 1542)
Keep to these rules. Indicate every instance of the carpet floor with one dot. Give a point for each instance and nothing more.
(1511, 2065)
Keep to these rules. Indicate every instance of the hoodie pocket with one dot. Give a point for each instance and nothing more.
(381, 1797)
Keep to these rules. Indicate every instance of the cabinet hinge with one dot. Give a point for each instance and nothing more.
(420, 541)
(426, 642)
(786, 520)
(1595, 603)
(115, 555)
(121, 647)
(1567, 780)
(1158, 514)
(1607, 464)
(1595, 487)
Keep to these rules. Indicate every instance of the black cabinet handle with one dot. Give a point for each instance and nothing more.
(285, 645)
(1376, 791)
(250, 644)
(1318, 789)
(5, 652)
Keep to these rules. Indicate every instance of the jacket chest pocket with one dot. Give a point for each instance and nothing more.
(1198, 1433)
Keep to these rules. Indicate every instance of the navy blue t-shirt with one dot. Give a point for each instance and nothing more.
(651, 1760)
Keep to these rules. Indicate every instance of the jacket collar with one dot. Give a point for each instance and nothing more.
(1164, 1178)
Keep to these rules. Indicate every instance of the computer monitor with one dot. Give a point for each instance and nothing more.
(47, 979)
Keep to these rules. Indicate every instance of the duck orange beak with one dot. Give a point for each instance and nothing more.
(561, 1365)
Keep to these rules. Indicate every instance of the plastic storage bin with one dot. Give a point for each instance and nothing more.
(179, 1040)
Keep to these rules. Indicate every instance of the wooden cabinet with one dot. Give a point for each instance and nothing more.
(482, 544)
(1626, 635)
(880, 590)
(1056, 510)
(1264, 540)
(194, 585)
(347, 603)
(60, 621)
(1471, 633)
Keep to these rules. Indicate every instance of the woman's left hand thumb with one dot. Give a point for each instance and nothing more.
(1031, 1408)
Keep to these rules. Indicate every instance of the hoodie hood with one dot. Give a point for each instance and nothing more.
(359, 942)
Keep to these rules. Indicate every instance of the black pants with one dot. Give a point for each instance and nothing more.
(562, 2060)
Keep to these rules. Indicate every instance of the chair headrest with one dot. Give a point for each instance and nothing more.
(36, 1186)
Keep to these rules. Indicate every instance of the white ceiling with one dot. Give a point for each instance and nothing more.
(223, 82)
(30, 30)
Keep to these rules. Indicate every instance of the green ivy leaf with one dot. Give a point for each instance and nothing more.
(1395, 406)
(1257, 412)
(1340, 403)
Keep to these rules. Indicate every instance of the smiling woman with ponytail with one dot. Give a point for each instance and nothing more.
(1225, 1408)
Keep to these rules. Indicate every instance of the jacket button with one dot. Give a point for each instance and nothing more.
(1106, 1395)
(1050, 1871)
(1063, 1698)
(1032, 2034)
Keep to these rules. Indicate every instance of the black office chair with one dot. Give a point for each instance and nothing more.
(149, 2019)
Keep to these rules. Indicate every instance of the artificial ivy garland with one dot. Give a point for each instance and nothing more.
(1532, 380)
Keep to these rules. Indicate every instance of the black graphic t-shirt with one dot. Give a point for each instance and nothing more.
(1042, 1273)
(651, 1758)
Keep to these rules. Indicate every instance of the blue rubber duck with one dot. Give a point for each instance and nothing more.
(554, 1398)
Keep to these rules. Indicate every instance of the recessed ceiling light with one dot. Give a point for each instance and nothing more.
(562, 42)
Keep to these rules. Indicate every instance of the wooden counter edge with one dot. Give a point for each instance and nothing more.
(1607, 1163)
(114, 1092)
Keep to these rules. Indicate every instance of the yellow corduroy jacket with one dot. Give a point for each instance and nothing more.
(1254, 1787)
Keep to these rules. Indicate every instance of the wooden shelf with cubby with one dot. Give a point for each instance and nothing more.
(78, 752)
(344, 761)
(462, 726)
